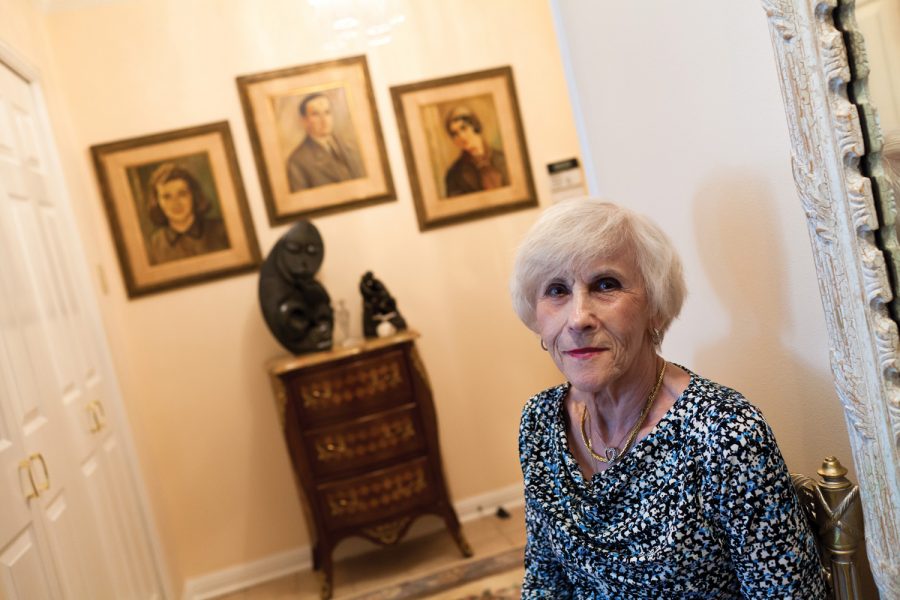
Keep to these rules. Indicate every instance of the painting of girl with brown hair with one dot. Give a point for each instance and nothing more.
(179, 208)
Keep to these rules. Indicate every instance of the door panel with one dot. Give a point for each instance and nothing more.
(23, 575)
(69, 560)
(140, 564)
(84, 390)
(78, 554)
(100, 486)
(36, 401)
(14, 483)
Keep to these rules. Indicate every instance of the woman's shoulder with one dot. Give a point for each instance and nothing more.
(539, 408)
(544, 399)
(713, 407)
(539, 427)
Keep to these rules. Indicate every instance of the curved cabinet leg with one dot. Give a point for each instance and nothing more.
(324, 567)
(326, 584)
(316, 560)
(463, 545)
(326, 578)
(456, 532)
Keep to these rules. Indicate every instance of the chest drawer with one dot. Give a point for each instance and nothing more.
(346, 391)
(363, 442)
(378, 495)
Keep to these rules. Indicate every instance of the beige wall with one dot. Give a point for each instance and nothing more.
(21, 28)
(689, 128)
(190, 361)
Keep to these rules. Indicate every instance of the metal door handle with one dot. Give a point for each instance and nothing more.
(98, 416)
(40, 458)
(25, 465)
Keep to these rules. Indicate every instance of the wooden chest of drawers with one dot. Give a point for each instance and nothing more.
(361, 430)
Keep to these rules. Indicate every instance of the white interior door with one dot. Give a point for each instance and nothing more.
(86, 531)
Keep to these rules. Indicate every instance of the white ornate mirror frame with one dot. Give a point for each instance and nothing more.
(827, 147)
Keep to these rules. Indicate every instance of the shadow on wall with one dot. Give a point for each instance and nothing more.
(742, 252)
(741, 249)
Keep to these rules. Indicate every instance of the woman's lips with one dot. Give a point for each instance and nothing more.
(583, 352)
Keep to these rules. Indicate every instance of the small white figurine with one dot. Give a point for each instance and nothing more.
(385, 328)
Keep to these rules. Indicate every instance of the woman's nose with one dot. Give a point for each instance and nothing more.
(582, 315)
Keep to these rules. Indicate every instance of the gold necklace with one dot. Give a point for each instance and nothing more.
(613, 453)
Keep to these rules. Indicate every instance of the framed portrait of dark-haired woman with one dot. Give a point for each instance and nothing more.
(176, 208)
(464, 146)
(316, 138)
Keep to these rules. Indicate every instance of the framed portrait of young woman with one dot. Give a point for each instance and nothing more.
(464, 146)
(177, 208)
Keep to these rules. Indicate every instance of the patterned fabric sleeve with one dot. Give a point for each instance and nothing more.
(544, 576)
(755, 508)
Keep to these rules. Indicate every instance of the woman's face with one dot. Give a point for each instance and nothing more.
(595, 323)
(465, 137)
(175, 199)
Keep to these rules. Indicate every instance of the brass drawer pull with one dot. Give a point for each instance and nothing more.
(331, 449)
(317, 397)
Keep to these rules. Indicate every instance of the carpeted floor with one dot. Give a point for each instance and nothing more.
(496, 577)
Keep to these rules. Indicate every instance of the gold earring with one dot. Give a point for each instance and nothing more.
(543, 347)
(655, 337)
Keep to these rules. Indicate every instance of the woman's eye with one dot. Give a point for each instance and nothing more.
(555, 290)
(605, 284)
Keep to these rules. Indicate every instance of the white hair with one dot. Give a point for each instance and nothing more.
(574, 233)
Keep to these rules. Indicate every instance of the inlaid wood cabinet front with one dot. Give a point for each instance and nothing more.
(361, 431)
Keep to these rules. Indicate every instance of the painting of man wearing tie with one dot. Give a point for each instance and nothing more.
(316, 138)
(324, 156)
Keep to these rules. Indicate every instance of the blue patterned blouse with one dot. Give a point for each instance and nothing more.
(703, 507)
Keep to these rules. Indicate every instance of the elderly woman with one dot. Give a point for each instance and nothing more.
(642, 478)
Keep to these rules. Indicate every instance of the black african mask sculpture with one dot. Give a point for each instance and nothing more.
(296, 307)
(380, 314)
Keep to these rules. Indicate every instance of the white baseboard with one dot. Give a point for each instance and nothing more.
(486, 504)
(239, 577)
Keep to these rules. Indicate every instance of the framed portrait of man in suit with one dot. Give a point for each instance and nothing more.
(316, 138)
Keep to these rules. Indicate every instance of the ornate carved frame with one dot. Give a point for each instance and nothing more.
(827, 149)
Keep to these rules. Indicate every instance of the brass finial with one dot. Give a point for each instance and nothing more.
(831, 469)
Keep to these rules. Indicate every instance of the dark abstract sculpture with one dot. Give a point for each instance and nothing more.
(295, 306)
(380, 315)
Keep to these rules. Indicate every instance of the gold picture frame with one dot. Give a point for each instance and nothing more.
(464, 146)
(316, 138)
(176, 207)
